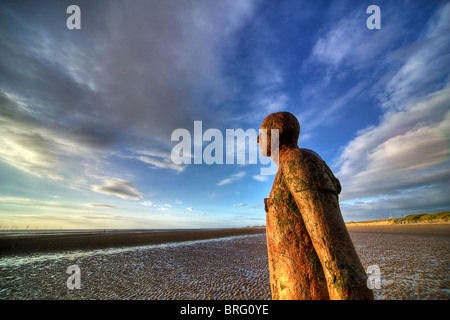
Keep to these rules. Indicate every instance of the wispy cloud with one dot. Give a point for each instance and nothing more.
(240, 205)
(91, 112)
(158, 159)
(260, 178)
(30, 202)
(28, 151)
(398, 147)
(55, 207)
(407, 152)
(148, 204)
(256, 206)
(119, 188)
(344, 48)
(71, 101)
(233, 178)
(347, 43)
(162, 207)
(50, 82)
(402, 202)
(101, 205)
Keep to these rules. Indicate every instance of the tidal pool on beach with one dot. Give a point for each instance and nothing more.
(413, 265)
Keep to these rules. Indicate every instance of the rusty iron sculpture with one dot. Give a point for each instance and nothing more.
(311, 254)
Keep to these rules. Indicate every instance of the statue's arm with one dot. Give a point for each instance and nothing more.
(319, 209)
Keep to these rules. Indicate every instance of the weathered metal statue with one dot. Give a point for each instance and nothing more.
(311, 255)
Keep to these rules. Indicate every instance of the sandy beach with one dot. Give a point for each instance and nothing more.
(85, 239)
(209, 264)
(414, 259)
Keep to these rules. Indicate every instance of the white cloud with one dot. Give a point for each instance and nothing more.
(344, 48)
(158, 159)
(148, 204)
(336, 45)
(224, 182)
(231, 179)
(272, 102)
(414, 200)
(256, 206)
(46, 207)
(101, 205)
(30, 202)
(28, 151)
(260, 178)
(164, 163)
(119, 188)
(407, 153)
(391, 155)
(348, 43)
(32, 147)
(240, 205)
(190, 209)
(163, 207)
(57, 82)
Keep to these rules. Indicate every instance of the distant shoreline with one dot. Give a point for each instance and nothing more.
(423, 218)
(23, 244)
(52, 241)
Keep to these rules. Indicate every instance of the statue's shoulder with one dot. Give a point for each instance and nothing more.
(301, 157)
(308, 166)
(295, 164)
(310, 154)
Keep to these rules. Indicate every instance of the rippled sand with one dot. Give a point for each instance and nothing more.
(413, 264)
(218, 269)
(414, 260)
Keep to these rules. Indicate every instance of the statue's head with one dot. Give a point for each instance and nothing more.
(288, 131)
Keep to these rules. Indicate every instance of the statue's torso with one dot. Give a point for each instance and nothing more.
(295, 269)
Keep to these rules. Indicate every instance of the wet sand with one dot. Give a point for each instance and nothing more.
(227, 268)
(414, 264)
(414, 259)
(76, 240)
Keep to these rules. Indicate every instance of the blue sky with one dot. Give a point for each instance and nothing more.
(86, 116)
